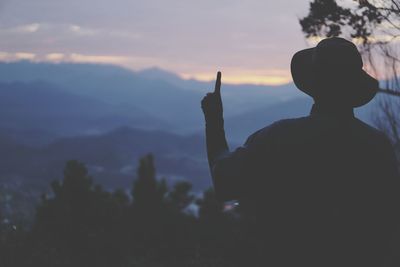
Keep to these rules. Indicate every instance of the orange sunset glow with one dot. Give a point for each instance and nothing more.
(244, 78)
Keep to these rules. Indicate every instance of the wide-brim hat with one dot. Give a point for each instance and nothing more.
(333, 68)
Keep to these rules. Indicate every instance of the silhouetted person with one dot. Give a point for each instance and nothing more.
(320, 190)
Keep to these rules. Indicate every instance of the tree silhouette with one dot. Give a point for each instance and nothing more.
(180, 197)
(79, 221)
(80, 224)
(148, 194)
(210, 209)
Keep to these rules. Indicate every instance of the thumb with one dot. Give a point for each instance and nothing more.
(217, 89)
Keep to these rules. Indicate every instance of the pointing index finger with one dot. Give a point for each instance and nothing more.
(218, 83)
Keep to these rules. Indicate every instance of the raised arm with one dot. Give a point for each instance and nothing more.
(232, 172)
(215, 133)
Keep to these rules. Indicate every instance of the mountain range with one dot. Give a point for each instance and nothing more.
(108, 116)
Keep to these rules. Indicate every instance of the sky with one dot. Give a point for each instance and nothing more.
(250, 41)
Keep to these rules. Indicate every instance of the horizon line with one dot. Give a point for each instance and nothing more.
(229, 79)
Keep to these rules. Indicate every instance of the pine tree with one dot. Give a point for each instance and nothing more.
(180, 197)
(148, 193)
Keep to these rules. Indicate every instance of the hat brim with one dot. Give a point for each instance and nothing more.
(363, 87)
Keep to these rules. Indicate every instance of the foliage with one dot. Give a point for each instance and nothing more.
(80, 224)
(328, 18)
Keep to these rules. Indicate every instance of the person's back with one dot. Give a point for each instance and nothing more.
(320, 190)
(318, 186)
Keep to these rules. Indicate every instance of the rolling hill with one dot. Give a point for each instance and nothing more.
(158, 93)
(111, 157)
(40, 108)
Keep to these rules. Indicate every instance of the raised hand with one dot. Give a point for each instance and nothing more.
(212, 103)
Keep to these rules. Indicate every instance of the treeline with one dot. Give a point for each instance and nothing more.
(81, 224)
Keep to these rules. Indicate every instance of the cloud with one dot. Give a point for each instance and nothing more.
(55, 57)
(241, 76)
(25, 56)
(83, 31)
(22, 29)
(29, 28)
(79, 58)
(61, 57)
(4, 56)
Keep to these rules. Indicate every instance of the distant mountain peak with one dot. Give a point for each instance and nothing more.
(157, 73)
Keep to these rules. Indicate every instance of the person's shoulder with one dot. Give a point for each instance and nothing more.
(286, 125)
(371, 132)
(278, 128)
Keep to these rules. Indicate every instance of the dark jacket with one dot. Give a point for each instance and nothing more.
(322, 189)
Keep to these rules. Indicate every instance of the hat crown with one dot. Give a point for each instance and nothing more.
(337, 54)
